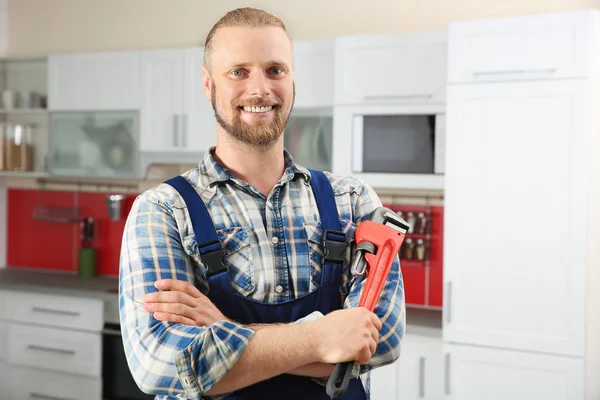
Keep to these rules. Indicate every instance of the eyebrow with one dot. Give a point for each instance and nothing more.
(277, 63)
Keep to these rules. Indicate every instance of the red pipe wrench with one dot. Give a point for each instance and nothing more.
(378, 242)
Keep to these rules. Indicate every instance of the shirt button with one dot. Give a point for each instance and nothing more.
(275, 239)
(279, 289)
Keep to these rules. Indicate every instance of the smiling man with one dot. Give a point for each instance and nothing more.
(225, 288)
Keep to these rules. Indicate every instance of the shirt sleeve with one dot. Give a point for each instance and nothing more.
(391, 305)
(166, 358)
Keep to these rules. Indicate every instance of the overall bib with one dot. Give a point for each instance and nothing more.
(325, 298)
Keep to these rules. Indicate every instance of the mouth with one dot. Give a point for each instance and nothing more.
(258, 110)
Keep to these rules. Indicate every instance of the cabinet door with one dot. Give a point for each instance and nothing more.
(475, 373)
(94, 81)
(314, 61)
(4, 380)
(408, 68)
(199, 129)
(522, 48)
(417, 374)
(3, 340)
(514, 261)
(162, 98)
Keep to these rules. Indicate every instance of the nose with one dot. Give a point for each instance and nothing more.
(259, 85)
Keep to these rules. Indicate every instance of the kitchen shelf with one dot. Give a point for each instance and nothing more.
(29, 174)
(24, 111)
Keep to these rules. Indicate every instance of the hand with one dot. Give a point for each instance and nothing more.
(346, 335)
(182, 303)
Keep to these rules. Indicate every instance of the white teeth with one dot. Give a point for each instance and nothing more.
(258, 109)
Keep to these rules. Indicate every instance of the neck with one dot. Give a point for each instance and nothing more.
(258, 166)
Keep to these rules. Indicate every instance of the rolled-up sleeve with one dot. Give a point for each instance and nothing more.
(391, 307)
(166, 358)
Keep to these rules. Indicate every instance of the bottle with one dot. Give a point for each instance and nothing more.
(20, 147)
(3, 148)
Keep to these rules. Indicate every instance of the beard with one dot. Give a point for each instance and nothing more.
(261, 133)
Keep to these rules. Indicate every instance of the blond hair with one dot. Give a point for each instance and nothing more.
(248, 17)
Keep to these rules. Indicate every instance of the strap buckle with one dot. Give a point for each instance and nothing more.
(211, 255)
(335, 245)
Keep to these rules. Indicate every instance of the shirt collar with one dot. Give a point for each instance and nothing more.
(215, 173)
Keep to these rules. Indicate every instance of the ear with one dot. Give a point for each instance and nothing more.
(206, 79)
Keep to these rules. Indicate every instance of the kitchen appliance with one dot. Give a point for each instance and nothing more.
(114, 203)
(117, 382)
(391, 145)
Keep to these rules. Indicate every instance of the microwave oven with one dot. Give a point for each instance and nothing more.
(391, 146)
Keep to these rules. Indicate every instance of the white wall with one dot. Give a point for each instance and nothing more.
(45, 26)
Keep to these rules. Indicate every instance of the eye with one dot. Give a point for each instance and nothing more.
(237, 72)
(277, 71)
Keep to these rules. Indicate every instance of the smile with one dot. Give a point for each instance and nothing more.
(254, 109)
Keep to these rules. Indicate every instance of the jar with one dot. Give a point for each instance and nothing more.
(19, 147)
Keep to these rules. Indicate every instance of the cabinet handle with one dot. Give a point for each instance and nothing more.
(51, 350)
(42, 396)
(448, 306)
(185, 130)
(175, 130)
(422, 377)
(424, 96)
(447, 374)
(52, 311)
(538, 71)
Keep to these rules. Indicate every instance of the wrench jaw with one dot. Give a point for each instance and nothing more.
(385, 216)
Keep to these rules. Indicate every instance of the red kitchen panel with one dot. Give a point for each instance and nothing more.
(436, 266)
(37, 243)
(55, 245)
(414, 284)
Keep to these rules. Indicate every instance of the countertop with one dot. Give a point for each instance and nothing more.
(68, 284)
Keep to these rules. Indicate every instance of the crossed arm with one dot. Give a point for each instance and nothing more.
(197, 350)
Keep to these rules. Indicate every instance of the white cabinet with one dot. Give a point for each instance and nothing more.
(55, 310)
(475, 373)
(34, 384)
(3, 341)
(4, 378)
(515, 241)
(314, 73)
(523, 48)
(175, 114)
(417, 374)
(405, 68)
(94, 81)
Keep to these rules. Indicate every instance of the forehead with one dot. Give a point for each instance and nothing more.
(245, 45)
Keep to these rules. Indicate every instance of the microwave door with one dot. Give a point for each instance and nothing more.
(357, 143)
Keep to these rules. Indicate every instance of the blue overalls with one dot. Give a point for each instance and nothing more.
(325, 298)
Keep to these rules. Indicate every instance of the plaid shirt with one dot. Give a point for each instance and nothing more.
(270, 242)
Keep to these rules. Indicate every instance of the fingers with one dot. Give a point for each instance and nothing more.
(179, 286)
(170, 297)
(376, 321)
(177, 319)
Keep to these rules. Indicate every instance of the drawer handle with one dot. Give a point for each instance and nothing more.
(59, 312)
(540, 71)
(51, 350)
(398, 96)
(41, 396)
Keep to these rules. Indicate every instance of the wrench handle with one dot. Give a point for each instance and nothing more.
(339, 380)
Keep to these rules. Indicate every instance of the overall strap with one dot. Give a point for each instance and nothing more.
(209, 245)
(334, 240)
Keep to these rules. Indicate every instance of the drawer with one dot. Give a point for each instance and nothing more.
(3, 295)
(34, 384)
(527, 47)
(3, 340)
(55, 310)
(55, 349)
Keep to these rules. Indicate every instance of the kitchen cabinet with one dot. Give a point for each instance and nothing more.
(4, 378)
(526, 48)
(475, 373)
(408, 68)
(314, 74)
(515, 252)
(94, 81)
(175, 114)
(417, 374)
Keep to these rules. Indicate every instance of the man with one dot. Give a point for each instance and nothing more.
(224, 287)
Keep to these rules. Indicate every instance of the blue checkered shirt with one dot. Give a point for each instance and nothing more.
(181, 361)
